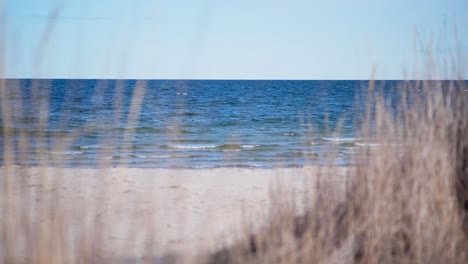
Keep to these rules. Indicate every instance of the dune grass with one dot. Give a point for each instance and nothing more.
(407, 202)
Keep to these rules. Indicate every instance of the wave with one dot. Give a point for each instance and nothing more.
(229, 147)
(66, 153)
(290, 134)
(183, 156)
(151, 156)
(193, 141)
(177, 131)
(249, 146)
(349, 151)
(189, 114)
(237, 147)
(193, 146)
(368, 144)
(338, 139)
(232, 150)
(96, 147)
(88, 147)
(223, 147)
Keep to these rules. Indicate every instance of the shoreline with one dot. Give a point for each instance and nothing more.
(51, 166)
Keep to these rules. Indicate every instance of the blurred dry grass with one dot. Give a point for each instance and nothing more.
(402, 205)
(408, 205)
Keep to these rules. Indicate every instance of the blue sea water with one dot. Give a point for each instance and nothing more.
(184, 123)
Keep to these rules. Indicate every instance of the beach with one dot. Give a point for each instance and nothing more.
(168, 211)
(226, 132)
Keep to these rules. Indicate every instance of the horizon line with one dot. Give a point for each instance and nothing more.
(227, 79)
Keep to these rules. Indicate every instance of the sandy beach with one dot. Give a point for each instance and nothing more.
(167, 211)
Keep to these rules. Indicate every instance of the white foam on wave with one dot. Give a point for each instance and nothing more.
(232, 150)
(368, 144)
(87, 147)
(349, 151)
(153, 156)
(193, 146)
(341, 139)
(247, 146)
(96, 147)
(66, 152)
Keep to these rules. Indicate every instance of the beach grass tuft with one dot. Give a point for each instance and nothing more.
(406, 201)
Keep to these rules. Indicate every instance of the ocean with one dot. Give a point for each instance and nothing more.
(185, 123)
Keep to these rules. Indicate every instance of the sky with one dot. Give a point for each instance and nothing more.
(227, 39)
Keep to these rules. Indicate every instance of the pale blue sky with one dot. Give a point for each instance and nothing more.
(226, 39)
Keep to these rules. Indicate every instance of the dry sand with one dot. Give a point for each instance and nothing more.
(163, 210)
